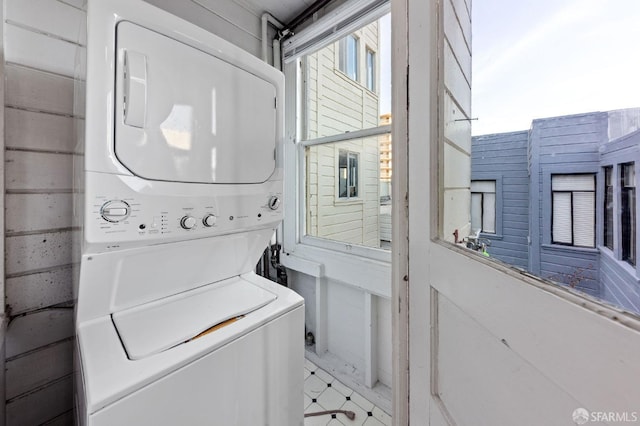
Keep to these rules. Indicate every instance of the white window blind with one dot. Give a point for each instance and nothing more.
(476, 212)
(489, 213)
(573, 210)
(483, 206)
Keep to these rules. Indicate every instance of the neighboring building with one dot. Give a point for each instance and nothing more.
(343, 178)
(559, 201)
(386, 171)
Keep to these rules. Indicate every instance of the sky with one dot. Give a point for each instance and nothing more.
(545, 58)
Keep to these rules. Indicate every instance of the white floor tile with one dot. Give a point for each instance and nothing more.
(364, 403)
(341, 388)
(307, 373)
(313, 386)
(383, 417)
(331, 399)
(328, 378)
(372, 421)
(361, 415)
(307, 401)
(314, 407)
(309, 365)
(336, 422)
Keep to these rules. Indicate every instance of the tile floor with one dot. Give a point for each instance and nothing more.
(323, 392)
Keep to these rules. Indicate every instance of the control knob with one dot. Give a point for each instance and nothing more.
(209, 220)
(188, 222)
(115, 211)
(274, 202)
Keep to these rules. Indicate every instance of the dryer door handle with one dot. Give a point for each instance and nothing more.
(135, 88)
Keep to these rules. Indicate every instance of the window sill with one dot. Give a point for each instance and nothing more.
(370, 275)
(559, 247)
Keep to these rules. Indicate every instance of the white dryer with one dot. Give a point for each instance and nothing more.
(182, 189)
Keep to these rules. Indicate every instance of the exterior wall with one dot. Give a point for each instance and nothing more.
(455, 181)
(43, 40)
(503, 158)
(336, 104)
(620, 281)
(563, 145)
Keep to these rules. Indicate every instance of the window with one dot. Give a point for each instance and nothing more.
(608, 207)
(628, 212)
(347, 174)
(349, 56)
(483, 206)
(371, 70)
(573, 210)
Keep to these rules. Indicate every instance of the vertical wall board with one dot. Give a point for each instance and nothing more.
(36, 291)
(345, 319)
(35, 90)
(200, 16)
(384, 341)
(29, 171)
(38, 329)
(36, 50)
(37, 212)
(39, 368)
(40, 131)
(48, 16)
(38, 407)
(39, 251)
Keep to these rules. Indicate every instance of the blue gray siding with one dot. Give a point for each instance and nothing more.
(619, 285)
(563, 145)
(503, 158)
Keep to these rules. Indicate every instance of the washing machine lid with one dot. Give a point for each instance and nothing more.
(184, 115)
(157, 326)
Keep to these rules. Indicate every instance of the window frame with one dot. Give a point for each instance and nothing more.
(349, 154)
(370, 66)
(345, 55)
(631, 238)
(572, 216)
(608, 214)
(482, 199)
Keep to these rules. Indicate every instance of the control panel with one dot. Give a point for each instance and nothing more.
(124, 216)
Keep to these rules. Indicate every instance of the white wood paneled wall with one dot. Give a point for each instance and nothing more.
(44, 45)
(43, 42)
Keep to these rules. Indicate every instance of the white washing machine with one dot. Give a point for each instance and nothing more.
(182, 189)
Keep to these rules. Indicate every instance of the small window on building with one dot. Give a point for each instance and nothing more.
(573, 210)
(349, 56)
(347, 174)
(628, 212)
(483, 206)
(371, 70)
(608, 207)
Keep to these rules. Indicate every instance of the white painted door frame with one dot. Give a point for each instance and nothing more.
(475, 342)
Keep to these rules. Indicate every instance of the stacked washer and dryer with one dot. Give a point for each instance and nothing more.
(181, 193)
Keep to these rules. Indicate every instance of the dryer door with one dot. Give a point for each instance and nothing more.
(184, 115)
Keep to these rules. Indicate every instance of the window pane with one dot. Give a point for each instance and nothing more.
(334, 99)
(608, 208)
(489, 213)
(371, 69)
(584, 219)
(476, 212)
(343, 201)
(562, 217)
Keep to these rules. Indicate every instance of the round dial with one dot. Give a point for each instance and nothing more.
(274, 202)
(188, 222)
(115, 211)
(209, 220)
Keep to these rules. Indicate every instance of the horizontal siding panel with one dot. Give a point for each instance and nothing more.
(40, 290)
(26, 253)
(34, 330)
(38, 368)
(38, 171)
(233, 12)
(455, 81)
(55, 399)
(48, 16)
(456, 131)
(456, 40)
(42, 52)
(64, 419)
(41, 131)
(198, 15)
(39, 91)
(38, 212)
